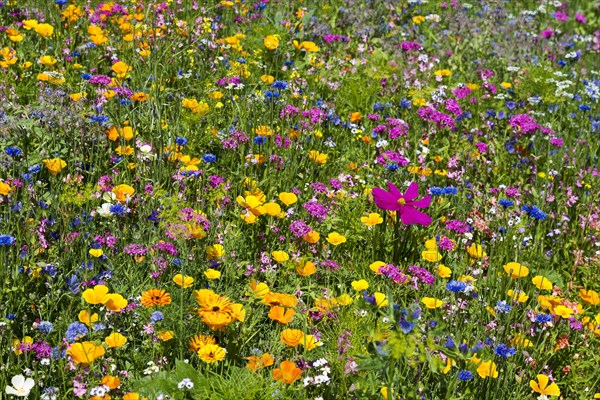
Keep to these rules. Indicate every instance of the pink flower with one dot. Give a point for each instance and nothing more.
(404, 204)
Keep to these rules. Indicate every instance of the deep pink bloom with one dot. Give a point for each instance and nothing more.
(404, 204)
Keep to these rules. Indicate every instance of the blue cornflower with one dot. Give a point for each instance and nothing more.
(100, 119)
(449, 343)
(13, 151)
(502, 307)
(75, 330)
(157, 316)
(209, 158)
(86, 76)
(118, 209)
(504, 351)
(506, 203)
(456, 286)
(465, 375)
(450, 190)
(125, 102)
(436, 191)
(510, 105)
(543, 318)
(405, 103)
(181, 141)
(260, 140)
(6, 240)
(280, 85)
(45, 327)
(534, 212)
(392, 167)
(34, 169)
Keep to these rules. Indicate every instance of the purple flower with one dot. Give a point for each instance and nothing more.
(404, 204)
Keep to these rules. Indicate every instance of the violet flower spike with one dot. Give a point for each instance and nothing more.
(404, 204)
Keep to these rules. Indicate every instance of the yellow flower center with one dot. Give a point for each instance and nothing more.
(401, 201)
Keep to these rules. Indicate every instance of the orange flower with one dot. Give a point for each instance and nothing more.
(281, 314)
(280, 299)
(199, 341)
(292, 337)
(311, 237)
(156, 297)
(85, 317)
(255, 362)
(287, 372)
(54, 165)
(123, 192)
(259, 289)
(111, 381)
(85, 353)
(589, 297)
(306, 268)
(114, 302)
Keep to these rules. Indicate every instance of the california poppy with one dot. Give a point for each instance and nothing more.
(287, 372)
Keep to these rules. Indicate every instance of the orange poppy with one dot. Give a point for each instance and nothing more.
(156, 297)
(256, 362)
(287, 372)
(281, 314)
(85, 353)
(292, 337)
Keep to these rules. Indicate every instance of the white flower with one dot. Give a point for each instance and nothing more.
(185, 383)
(104, 211)
(20, 386)
(109, 196)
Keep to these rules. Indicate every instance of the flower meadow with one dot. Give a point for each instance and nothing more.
(268, 199)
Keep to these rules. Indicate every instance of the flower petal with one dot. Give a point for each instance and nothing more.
(412, 192)
(411, 216)
(552, 390)
(385, 200)
(423, 203)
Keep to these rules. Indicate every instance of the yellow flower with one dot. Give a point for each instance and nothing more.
(519, 295)
(563, 311)
(516, 270)
(258, 289)
(212, 274)
(360, 285)
(376, 266)
(542, 387)
(431, 302)
(309, 47)
(310, 342)
(85, 317)
(344, 300)
(476, 251)
(372, 220)
(115, 340)
(121, 69)
(29, 24)
(273, 209)
(96, 252)
(4, 189)
(114, 302)
(506, 85)
(431, 255)
(541, 282)
(443, 271)
(487, 369)
(85, 353)
(47, 60)
(211, 353)
(95, 295)
(123, 192)
(418, 19)
(54, 165)
(280, 256)
(443, 72)
(44, 30)
(311, 237)
(271, 42)
(381, 300)
(318, 158)
(335, 238)
(166, 335)
(288, 198)
(306, 268)
(215, 252)
(183, 280)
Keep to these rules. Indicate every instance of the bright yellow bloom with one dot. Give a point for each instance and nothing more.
(291, 337)
(114, 302)
(431, 302)
(4, 189)
(95, 295)
(54, 165)
(85, 317)
(311, 237)
(271, 42)
(487, 369)
(516, 270)
(44, 30)
(563, 311)
(85, 353)
(123, 192)
(183, 280)
(280, 256)
(115, 340)
(360, 285)
(96, 252)
(211, 353)
(381, 300)
(476, 251)
(215, 252)
(318, 158)
(589, 297)
(306, 268)
(541, 282)
(335, 238)
(288, 198)
(376, 266)
(542, 387)
(47, 60)
(431, 255)
(519, 295)
(372, 220)
(443, 271)
(212, 274)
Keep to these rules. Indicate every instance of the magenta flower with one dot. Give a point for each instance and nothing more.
(404, 204)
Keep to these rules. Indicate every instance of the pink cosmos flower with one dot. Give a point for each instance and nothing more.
(404, 204)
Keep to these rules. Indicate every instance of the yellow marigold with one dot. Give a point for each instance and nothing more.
(271, 42)
(211, 353)
(199, 341)
(589, 297)
(372, 219)
(155, 297)
(443, 271)
(360, 285)
(292, 337)
(95, 295)
(487, 369)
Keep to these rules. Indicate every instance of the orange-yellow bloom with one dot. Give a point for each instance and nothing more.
(287, 372)
(85, 353)
(542, 387)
